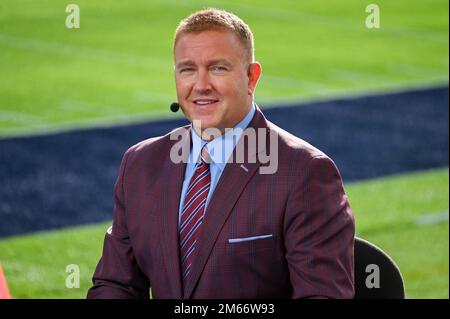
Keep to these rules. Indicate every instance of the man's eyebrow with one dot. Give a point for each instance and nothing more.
(211, 62)
(185, 63)
(220, 61)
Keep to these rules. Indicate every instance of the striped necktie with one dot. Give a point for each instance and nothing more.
(193, 213)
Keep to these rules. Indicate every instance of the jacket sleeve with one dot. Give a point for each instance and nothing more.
(319, 233)
(117, 274)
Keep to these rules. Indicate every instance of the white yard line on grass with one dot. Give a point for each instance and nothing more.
(332, 94)
(356, 76)
(283, 82)
(154, 97)
(19, 117)
(432, 219)
(39, 45)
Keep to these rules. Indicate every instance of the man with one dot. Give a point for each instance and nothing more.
(216, 226)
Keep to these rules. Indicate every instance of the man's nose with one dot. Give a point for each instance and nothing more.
(202, 84)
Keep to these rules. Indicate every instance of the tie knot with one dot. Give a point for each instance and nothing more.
(204, 155)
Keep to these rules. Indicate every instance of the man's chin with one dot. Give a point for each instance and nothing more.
(204, 123)
(207, 128)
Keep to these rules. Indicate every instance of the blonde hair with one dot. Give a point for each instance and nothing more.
(217, 20)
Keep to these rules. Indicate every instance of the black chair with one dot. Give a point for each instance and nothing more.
(376, 274)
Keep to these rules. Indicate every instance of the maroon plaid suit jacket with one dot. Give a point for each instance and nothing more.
(303, 208)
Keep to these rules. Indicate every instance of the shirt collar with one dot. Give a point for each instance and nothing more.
(221, 148)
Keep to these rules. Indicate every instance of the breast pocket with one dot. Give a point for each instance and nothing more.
(251, 244)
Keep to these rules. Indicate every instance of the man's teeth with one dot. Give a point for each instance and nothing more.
(204, 102)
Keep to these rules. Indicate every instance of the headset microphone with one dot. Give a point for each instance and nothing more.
(174, 107)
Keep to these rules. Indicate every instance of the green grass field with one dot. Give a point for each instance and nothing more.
(118, 68)
(386, 210)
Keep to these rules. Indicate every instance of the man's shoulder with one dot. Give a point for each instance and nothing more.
(292, 149)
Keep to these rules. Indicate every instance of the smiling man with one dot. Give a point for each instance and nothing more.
(215, 75)
(214, 227)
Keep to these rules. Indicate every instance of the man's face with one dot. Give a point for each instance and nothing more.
(214, 84)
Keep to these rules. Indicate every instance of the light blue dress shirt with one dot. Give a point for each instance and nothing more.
(219, 149)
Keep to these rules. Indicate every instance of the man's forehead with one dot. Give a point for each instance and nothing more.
(208, 47)
(209, 33)
(208, 39)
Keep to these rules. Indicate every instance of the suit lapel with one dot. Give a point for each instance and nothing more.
(228, 190)
(174, 173)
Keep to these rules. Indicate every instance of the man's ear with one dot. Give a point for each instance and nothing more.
(254, 72)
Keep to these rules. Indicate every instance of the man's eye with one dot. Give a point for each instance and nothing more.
(186, 70)
(219, 69)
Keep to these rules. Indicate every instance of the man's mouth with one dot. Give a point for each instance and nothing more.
(205, 101)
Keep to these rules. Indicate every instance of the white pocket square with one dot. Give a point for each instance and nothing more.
(239, 240)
